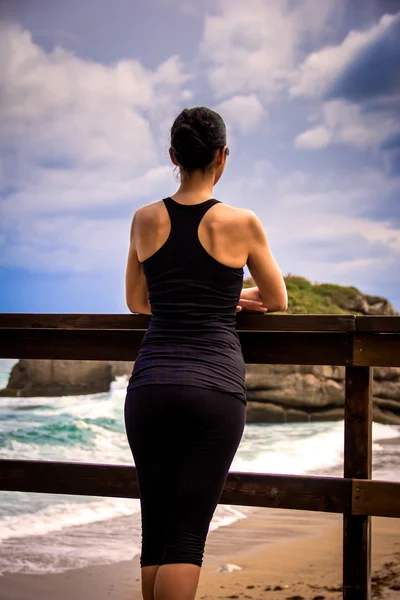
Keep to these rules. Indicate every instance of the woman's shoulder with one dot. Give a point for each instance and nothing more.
(233, 214)
(148, 212)
(221, 213)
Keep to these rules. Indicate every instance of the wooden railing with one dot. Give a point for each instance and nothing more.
(358, 343)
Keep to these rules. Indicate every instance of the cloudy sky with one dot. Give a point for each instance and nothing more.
(309, 89)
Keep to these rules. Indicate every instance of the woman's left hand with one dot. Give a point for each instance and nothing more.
(250, 306)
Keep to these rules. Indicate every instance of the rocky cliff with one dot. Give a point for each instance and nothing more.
(329, 298)
(31, 377)
(275, 393)
(289, 393)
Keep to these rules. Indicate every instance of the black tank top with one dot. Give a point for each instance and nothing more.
(192, 337)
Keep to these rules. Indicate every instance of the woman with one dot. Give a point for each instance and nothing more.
(185, 405)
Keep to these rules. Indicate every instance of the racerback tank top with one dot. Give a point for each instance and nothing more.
(192, 337)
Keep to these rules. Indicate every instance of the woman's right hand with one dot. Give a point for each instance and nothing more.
(251, 293)
(250, 306)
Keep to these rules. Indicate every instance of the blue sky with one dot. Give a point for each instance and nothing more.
(310, 92)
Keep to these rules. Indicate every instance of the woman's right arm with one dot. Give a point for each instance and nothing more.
(264, 268)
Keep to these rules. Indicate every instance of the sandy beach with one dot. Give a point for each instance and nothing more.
(282, 554)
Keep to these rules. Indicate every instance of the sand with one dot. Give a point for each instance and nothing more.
(282, 554)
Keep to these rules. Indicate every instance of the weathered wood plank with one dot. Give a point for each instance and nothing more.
(296, 348)
(74, 321)
(356, 557)
(377, 349)
(74, 344)
(357, 464)
(258, 347)
(295, 323)
(83, 479)
(378, 498)
(245, 321)
(358, 423)
(378, 324)
(327, 494)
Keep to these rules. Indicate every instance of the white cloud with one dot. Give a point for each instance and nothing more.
(253, 46)
(67, 245)
(187, 94)
(48, 224)
(318, 225)
(364, 124)
(320, 68)
(345, 123)
(242, 113)
(52, 191)
(77, 136)
(360, 251)
(107, 121)
(314, 139)
(59, 105)
(330, 215)
(293, 181)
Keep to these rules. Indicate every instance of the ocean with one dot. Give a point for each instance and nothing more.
(43, 533)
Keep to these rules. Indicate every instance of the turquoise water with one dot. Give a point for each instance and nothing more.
(5, 368)
(50, 533)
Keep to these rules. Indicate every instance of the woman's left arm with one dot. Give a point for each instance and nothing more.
(137, 296)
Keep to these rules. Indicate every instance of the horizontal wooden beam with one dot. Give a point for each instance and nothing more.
(74, 321)
(273, 339)
(376, 349)
(327, 494)
(245, 321)
(379, 498)
(82, 479)
(72, 344)
(296, 348)
(89, 344)
(323, 494)
(378, 324)
(295, 323)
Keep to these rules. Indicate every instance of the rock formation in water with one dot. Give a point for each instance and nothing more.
(275, 393)
(46, 377)
(289, 393)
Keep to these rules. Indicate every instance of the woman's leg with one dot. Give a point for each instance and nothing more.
(173, 581)
(211, 427)
(183, 449)
(176, 582)
(148, 579)
(148, 428)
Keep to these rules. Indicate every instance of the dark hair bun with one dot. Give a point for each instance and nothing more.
(196, 136)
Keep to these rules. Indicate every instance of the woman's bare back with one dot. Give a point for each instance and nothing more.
(233, 236)
(223, 232)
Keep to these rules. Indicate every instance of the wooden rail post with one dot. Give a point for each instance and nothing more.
(357, 465)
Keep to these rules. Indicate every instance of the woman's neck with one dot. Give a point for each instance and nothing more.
(195, 188)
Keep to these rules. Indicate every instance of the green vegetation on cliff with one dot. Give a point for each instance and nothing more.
(328, 298)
